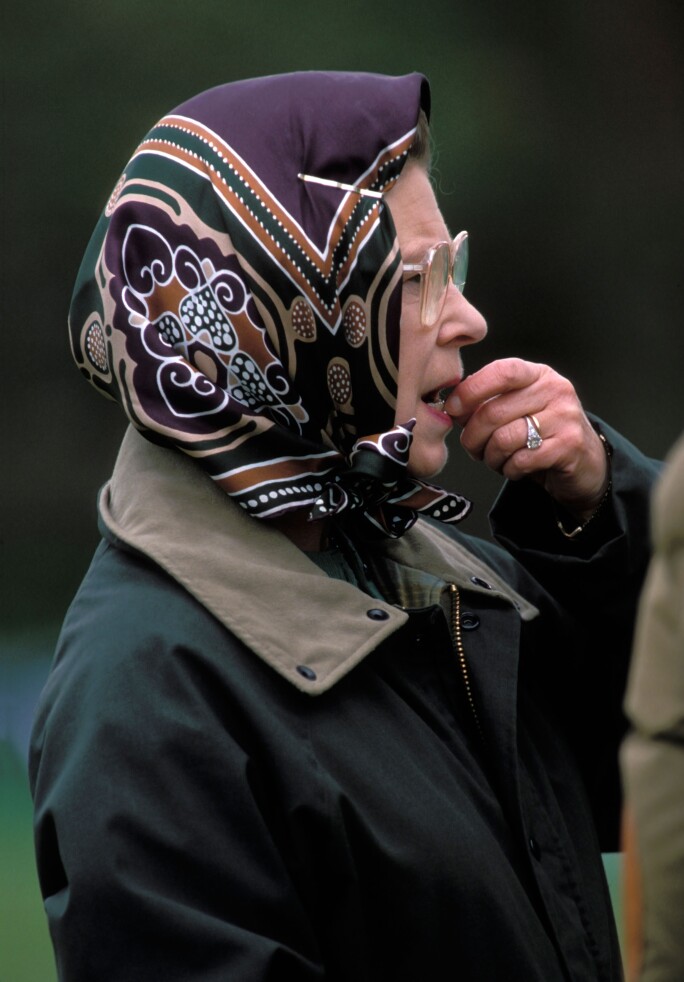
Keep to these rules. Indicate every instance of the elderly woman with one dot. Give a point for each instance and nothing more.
(299, 726)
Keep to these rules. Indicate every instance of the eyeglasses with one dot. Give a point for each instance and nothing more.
(444, 261)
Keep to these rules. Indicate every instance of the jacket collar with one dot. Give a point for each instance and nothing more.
(308, 627)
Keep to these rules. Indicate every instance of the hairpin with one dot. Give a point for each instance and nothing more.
(364, 192)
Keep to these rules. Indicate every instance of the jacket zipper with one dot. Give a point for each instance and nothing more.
(460, 652)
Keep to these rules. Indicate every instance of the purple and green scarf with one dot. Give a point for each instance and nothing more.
(251, 319)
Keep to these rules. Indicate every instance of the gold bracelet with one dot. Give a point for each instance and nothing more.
(580, 528)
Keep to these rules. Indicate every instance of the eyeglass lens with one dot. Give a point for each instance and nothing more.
(440, 270)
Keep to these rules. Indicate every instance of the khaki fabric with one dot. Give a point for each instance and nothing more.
(160, 503)
(653, 754)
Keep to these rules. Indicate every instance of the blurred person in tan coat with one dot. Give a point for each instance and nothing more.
(653, 754)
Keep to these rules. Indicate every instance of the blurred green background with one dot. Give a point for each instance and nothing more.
(559, 128)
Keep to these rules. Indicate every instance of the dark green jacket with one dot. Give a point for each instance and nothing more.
(246, 770)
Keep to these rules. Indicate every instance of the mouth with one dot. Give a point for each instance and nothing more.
(436, 399)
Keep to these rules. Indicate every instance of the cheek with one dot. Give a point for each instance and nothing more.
(409, 333)
(413, 359)
(410, 307)
(393, 321)
(427, 455)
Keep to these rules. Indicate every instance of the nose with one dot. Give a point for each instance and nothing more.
(460, 321)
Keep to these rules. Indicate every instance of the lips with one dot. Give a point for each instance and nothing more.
(436, 399)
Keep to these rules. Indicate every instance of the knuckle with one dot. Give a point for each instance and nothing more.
(470, 446)
(508, 438)
(561, 387)
(496, 413)
(509, 370)
(503, 442)
(566, 390)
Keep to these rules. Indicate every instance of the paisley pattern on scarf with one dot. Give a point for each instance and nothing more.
(251, 320)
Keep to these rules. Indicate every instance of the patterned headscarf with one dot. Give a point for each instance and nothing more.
(251, 319)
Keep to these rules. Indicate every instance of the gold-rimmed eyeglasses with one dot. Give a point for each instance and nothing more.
(444, 262)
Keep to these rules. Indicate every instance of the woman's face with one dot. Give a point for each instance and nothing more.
(429, 357)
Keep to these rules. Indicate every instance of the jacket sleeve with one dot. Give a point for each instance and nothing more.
(613, 550)
(596, 579)
(155, 835)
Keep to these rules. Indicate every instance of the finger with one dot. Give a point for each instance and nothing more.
(571, 462)
(499, 377)
(550, 397)
(509, 449)
(500, 423)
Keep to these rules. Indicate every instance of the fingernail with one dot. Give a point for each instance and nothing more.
(454, 406)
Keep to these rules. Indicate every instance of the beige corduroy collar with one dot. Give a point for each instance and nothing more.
(254, 580)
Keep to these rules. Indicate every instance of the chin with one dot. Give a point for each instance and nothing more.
(427, 462)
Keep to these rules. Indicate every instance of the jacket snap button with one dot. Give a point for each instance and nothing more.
(480, 582)
(534, 847)
(307, 672)
(469, 621)
(376, 614)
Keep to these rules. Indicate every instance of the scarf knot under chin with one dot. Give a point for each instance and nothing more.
(377, 492)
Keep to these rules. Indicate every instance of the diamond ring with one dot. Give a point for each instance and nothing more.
(534, 437)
